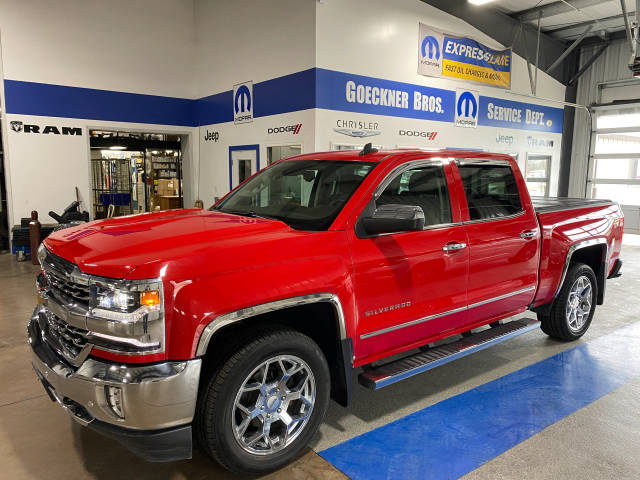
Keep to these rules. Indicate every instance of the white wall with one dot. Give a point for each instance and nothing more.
(379, 38)
(146, 46)
(46, 168)
(214, 156)
(238, 41)
(196, 48)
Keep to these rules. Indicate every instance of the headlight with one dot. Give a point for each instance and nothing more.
(42, 253)
(126, 315)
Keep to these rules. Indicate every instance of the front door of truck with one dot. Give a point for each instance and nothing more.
(411, 285)
(503, 235)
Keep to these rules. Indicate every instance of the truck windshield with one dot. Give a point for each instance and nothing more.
(305, 194)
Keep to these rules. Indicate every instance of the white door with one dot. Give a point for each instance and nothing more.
(243, 165)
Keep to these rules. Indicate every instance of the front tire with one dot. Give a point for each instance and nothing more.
(575, 305)
(263, 406)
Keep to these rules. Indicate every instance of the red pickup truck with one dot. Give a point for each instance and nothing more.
(235, 325)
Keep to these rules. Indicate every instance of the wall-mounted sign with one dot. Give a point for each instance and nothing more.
(430, 136)
(467, 108)
(294, 129)
(243, 102)
(443, 55)
(505, 139)
(357, 128)
(534, 142)
(496, 112)
(211, 136)
(19, 127)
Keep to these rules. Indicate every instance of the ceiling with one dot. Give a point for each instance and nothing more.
(566, 20)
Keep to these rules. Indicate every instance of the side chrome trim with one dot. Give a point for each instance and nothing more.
(232, 317)
(444, 314)
(571, 251)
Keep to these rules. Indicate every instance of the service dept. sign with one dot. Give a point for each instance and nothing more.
(444, 55)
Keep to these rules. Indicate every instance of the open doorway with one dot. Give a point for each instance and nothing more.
(134, 172)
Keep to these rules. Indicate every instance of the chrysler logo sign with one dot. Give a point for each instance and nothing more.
(357, 128)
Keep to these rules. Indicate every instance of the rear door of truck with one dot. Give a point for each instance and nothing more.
(503, 235)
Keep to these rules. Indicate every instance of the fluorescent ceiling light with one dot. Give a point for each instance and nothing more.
(117, 147)
(479, 2)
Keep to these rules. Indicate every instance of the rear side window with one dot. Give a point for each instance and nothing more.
(491, 191)
(424, 187)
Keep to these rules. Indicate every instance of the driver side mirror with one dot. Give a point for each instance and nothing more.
(394, 218)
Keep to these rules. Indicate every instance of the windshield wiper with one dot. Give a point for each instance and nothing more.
(252, 214)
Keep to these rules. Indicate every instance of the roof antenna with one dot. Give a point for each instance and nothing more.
(368, 148)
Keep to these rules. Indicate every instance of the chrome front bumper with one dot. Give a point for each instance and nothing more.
(153, 397)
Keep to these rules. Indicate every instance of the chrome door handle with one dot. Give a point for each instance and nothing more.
(450, 247)
(528, 234)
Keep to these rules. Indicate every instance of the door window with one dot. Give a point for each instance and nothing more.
(491, 190)
(424, 187)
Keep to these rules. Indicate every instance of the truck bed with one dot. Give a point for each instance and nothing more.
(558, 204)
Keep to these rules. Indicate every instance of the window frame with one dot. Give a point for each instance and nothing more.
(399, 170)
(488, 162)
(547, 174)
(591, 180)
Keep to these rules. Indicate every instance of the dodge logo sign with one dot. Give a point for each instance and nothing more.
(295, 129)
(16, 126)
(418, 133)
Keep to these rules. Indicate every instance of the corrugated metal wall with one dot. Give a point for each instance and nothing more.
(610, 66)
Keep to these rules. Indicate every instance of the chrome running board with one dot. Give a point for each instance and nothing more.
(392, 372)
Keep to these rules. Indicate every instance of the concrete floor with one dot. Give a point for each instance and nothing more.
(38, 440)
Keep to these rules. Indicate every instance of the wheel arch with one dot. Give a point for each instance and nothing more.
(593, 252)
(319, 316)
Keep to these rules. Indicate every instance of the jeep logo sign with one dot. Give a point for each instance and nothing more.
(18, 126)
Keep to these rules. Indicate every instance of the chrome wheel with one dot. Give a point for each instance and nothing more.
(579, 303)
(273, 405)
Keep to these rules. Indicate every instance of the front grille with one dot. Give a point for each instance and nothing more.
(66, 339)
(69, 288)
(64, 281)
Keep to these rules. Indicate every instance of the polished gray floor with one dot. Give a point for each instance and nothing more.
(37, 440)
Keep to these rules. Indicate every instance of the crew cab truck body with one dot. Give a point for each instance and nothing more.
(234, 325)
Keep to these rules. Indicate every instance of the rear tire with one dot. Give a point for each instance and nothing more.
(574, 307)
(278, 383)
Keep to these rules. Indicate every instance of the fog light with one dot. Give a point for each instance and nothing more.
(114, 400)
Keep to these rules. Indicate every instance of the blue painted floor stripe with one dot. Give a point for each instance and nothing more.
(457, 435)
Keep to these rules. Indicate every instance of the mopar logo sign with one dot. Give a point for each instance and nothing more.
(430, 48)
(467, 102)
(18, 126)
(243, 102)
(430, 53)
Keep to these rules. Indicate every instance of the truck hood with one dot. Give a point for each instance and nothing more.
(114, 247)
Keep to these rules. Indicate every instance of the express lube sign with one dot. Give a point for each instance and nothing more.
(445, 55)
